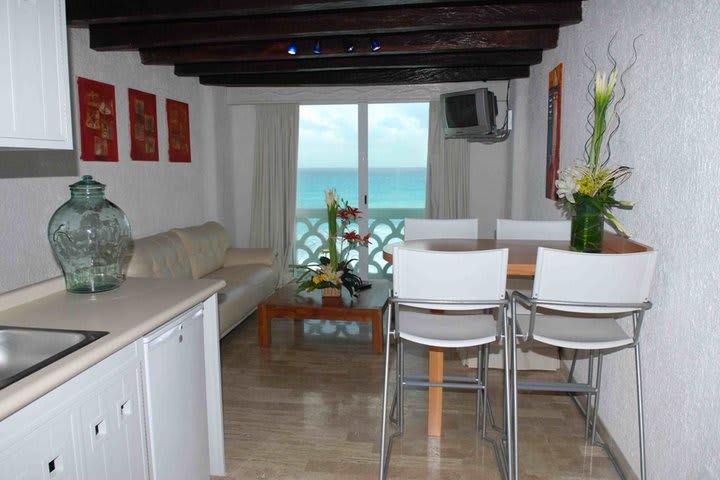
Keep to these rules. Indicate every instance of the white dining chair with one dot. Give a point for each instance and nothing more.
(532, 357)
(585, 297)
(427, 229)
(459, 283)
(506, 229)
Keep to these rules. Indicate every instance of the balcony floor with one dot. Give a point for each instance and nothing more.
(308, 407)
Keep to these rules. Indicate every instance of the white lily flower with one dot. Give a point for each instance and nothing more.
(330, 196)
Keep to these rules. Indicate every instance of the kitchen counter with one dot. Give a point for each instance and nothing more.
(137, 307)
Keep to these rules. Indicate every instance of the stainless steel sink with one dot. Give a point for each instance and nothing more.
(27, 350)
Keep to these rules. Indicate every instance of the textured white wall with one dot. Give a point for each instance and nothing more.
(669, 136)
(154, 195)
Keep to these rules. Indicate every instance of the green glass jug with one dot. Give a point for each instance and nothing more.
(90, 237)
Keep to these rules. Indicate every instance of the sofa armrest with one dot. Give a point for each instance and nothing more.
(247, 256)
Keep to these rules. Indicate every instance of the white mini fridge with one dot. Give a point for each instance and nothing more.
(177, 409)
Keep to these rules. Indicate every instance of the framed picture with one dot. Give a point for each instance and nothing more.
(553, 138)
(98, 124)
(143, 126)
(178, 119)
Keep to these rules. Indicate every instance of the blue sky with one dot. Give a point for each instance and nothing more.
(397, 135)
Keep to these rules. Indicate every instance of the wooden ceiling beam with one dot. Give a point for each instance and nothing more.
(429, 42)
(329, 24)
(402, 76)
(321, 63)
(87, 12)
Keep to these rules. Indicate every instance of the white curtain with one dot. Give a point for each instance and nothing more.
(448, 172)
(275, 181)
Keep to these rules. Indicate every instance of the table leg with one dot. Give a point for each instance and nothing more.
(435, 374)
(377, 332)
(264, 331)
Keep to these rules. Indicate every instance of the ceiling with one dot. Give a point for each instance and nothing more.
(245, 42)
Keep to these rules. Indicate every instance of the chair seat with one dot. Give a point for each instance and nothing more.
(581, 333)
(447, 329)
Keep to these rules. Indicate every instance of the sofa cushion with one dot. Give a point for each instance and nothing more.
(259, 275)
(206, 245)
(159, 256)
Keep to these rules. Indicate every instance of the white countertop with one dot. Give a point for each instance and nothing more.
(137, 307)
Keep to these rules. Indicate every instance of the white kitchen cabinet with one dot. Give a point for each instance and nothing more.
(34, 80)
(47, 452)
(91, 427)
(111, 428)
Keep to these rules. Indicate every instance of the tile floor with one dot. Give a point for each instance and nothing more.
(308, 407)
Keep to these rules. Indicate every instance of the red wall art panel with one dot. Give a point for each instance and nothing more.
(178, 118)
(143, 126)
(553, 138)
(98, 129)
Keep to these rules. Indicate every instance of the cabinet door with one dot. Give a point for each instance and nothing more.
(112, 429)
(48, 453)
(34, 84)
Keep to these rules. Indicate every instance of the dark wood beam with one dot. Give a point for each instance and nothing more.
(430, 42)
(329, 24)
(321, 63)
(85, 12)
(402, 76)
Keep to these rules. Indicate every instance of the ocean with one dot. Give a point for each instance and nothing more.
(387, 187)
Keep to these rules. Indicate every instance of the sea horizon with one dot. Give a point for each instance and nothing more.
(388, 187)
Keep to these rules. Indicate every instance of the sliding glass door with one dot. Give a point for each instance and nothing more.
(374, 156)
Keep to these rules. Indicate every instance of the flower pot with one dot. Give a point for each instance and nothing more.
(330, 292)
(586, 229)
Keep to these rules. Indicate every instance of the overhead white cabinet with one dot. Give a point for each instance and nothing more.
(34, 81)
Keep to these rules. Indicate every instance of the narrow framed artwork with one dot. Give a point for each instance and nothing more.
(143, 126)
(553, 135)
(98, 124)
(178, 118)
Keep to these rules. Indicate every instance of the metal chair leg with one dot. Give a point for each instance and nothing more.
(401, 385)
(486, 403)
(572, 366)
(641, 427)
(591, 359)
(479, 393)
(598, 380)
(383, 454)
(510, 398)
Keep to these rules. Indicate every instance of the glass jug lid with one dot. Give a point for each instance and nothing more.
(87, 184)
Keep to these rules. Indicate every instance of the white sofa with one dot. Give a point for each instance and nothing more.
(204, 251)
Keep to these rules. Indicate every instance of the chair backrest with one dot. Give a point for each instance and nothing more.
(572, 277)
(427, 229)
(506, 229)
(478, 275)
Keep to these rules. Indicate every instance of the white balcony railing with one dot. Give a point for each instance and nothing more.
(386, 225)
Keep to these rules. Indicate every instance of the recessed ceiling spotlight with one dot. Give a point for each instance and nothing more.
(317, 48)
(348, 46)
(374, 44)
(292, 48)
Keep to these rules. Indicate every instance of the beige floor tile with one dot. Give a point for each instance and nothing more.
(308, 407)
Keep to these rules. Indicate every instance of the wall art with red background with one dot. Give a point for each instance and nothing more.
(143, 126)
(553, 138)
(98, 124)
(178, 118)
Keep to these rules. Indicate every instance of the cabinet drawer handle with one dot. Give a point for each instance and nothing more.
(100, 428)
(126, 409)
(55, 466)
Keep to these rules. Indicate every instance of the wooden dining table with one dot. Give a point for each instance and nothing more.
(522, 255)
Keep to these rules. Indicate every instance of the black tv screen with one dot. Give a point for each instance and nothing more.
(461, 112)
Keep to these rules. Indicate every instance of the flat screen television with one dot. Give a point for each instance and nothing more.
(469, 113)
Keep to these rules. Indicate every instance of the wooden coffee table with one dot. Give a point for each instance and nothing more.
(369, 306)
